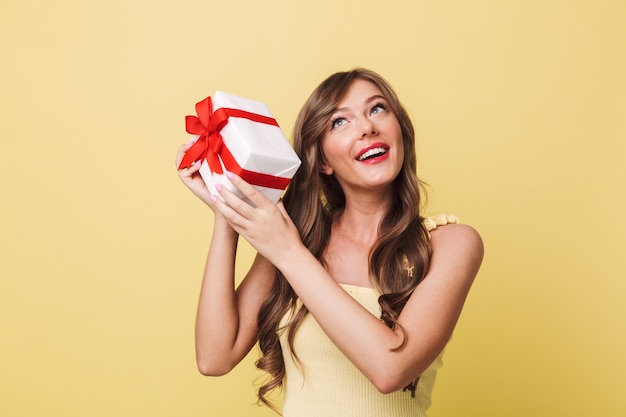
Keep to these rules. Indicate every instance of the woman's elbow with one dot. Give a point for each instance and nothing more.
(209, 367)
(386, 388)
(391, 379)
(387, 385)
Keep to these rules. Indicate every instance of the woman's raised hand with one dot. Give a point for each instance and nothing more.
(191, 176)
(265, 225)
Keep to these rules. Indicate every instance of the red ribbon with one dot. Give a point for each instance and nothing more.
(209, 144)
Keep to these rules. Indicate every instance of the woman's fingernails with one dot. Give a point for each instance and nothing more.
(213, 198)
(229, 175)
(218, 187)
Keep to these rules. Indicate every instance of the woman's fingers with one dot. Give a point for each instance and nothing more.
(188, 172)
(265, 225)
(252, 220)
(248, 191)
(234, 203)
(181, 152)
(190, 176)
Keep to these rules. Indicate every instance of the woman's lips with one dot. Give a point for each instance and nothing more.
(374, 153)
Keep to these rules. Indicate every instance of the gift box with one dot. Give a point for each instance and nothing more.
(239, 135)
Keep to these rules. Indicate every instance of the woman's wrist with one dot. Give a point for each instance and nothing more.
(292, 255)
(221, 226)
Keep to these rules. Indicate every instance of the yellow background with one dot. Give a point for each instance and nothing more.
(519, 108)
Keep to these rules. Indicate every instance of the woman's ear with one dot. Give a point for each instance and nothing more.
(326, 169)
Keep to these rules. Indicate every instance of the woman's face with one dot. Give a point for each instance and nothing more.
(362, 144)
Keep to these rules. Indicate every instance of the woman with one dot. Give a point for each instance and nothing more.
(353, 295)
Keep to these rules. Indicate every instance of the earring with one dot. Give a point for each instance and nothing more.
(409, 269)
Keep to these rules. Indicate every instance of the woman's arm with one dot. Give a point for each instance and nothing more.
(226, 320)
(428, 318)
(226, 327)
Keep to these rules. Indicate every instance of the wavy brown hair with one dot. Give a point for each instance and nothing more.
(397, 262)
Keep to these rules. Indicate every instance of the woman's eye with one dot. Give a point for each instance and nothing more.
(337, 122)
(378, 108)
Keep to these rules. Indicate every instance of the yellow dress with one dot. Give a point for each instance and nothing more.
(324, 383)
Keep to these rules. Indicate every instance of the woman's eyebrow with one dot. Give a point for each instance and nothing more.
(367, 101)
(375, 98)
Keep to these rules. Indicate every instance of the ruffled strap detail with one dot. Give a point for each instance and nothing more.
(432, 222)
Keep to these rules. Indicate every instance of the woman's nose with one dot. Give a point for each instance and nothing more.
(367, 127)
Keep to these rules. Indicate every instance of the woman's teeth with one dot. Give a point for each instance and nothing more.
(371, 153)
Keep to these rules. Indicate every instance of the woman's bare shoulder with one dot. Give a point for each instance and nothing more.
(458, 240)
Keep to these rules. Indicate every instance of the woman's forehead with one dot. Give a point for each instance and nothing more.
(359, 92)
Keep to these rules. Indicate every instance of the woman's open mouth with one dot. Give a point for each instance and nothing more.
(373, 153)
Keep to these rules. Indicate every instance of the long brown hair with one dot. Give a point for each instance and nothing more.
(398, 261)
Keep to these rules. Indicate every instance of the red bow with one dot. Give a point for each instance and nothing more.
(209, 144)
(207, 125)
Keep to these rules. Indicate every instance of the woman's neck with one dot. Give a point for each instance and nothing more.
(360, 220)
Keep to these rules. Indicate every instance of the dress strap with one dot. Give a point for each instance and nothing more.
(432, 222)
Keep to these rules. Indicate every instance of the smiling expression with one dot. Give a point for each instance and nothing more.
(362, 144)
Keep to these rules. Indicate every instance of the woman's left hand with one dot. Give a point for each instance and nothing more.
(266, 226)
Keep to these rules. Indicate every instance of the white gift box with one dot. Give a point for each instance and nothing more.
(257, 147)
